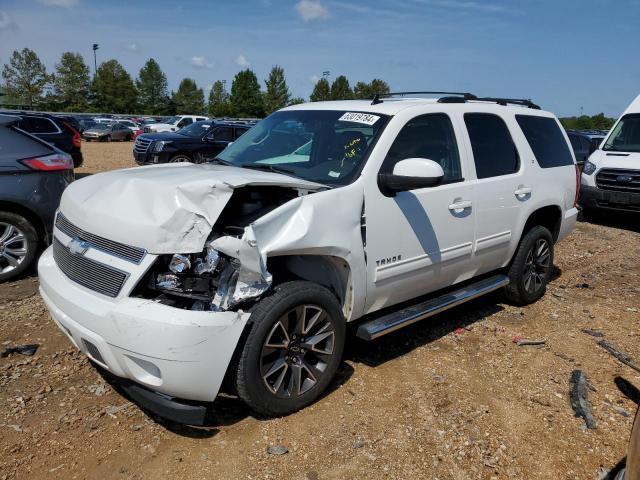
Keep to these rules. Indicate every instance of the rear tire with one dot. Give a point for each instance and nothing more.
(530, 268)
(18, 245)
(292, 349)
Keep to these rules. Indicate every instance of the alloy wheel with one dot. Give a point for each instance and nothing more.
(13, 247)
(536, 266)
(297, 351)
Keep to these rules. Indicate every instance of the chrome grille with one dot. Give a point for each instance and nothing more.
(619, 180)
(126, 252)
(87, 272)
(141, 145)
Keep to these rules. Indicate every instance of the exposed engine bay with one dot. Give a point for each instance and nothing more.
(230, 269)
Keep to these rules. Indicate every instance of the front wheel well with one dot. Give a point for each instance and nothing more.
(31, 216)
(549, 217)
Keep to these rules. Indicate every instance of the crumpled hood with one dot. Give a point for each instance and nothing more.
(163, 209)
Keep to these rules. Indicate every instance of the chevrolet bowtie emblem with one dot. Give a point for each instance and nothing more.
(78, 246)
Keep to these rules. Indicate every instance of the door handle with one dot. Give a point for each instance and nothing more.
(521, 191)
(460, 204)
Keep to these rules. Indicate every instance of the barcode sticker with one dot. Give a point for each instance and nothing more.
(365, 118)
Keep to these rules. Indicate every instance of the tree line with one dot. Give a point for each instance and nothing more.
(71, 88)
(586, 122)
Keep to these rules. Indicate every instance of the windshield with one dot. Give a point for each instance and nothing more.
(101, 126)
(626, 135)
(322, 146)
(195, 130)
(171, 120)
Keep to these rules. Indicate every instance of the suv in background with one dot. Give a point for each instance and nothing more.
(611, 177)
(197, 143)
(33, 175)
(172, 124)
(53, 130)
(248, 268)
(582, 146)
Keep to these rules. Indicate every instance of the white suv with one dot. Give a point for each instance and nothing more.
(173, 124)
(247, 269)
(611, 176)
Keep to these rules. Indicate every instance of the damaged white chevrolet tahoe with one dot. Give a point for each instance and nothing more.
(246, 270)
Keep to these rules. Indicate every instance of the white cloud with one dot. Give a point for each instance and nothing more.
(242, 61)
(314, 79)
(132, 47)
(200, 62)
(310, 10)
(6, 22)
(59, 3)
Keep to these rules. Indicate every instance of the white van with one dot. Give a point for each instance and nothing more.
(611, 177)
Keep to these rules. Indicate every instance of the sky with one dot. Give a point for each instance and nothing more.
(569, 56)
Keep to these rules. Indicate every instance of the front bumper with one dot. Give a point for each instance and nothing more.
(151, 158)
(595, 198)
(179, 353)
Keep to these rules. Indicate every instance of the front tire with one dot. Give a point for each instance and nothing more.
(179, 158)
(530, 269)
(292, 351)
(18, 245)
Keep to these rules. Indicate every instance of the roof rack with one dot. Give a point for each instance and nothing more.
(460, 97)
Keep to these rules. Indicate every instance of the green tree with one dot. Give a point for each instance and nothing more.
(296, 101)
(152, 88)
(277, 95)
(246, 98)
(340, 89)
(189, 99)
(363, 90)
(71, 83)
(25, 77)
(113, 89)
(218, 105)
(321, 91)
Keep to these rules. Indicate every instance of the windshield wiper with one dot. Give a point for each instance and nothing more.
(223, 162)
(270, 168)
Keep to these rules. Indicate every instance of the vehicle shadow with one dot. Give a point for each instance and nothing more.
(82, 175)
(421, 333)
(626, 221)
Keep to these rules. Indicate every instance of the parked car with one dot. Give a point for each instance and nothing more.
(176, 277)
(104, 132)
(610, 178)
(33, 175)
(133, 126)
(199, 142)
(172, 124)
(86, 124)
(53, 130)
(581, 144)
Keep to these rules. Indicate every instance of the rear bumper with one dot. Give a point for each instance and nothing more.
(596, 199)
(175, 352)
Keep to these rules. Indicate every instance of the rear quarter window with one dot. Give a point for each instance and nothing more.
(15, 145)
(546, 141)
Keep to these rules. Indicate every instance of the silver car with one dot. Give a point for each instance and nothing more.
(104, 132)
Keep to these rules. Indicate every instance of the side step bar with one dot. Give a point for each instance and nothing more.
(372, 329)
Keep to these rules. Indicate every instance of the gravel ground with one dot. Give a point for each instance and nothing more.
(450, 398)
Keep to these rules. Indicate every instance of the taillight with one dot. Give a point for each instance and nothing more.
(575, 201)
(76, 135)
(50, 163)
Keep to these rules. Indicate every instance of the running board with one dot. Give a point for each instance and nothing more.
(372, 329)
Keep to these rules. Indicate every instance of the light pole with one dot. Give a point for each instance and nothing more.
(326, 74)
(95, 62)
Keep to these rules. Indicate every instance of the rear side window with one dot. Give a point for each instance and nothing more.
(223, 134)
(240, 131)
(494, 152)
(42, 125)
(546, 140)
(15, 145)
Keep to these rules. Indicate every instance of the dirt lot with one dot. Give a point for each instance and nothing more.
(450, 398)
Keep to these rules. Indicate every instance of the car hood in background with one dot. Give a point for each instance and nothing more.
(167, 136)
(162, 208)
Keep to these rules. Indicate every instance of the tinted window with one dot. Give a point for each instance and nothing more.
(546, 140)
(574, 139)
(240, 131)
(427, 136)
(494, 152)
(15, 145)
(223, 134)
(42, 125)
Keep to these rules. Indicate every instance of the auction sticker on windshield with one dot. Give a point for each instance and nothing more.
(364, 118)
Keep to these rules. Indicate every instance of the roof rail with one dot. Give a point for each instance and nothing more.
(459, 97)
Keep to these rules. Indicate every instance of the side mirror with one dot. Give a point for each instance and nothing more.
(411, 174)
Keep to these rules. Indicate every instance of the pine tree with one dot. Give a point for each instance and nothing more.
(218, 105)
(189, 99)
(321, 91)
(340, 89)
(71, 83)
(277, 95)
(25, 77)
(152, 88)
(363, 90)
(113, 89)
(246, 98)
